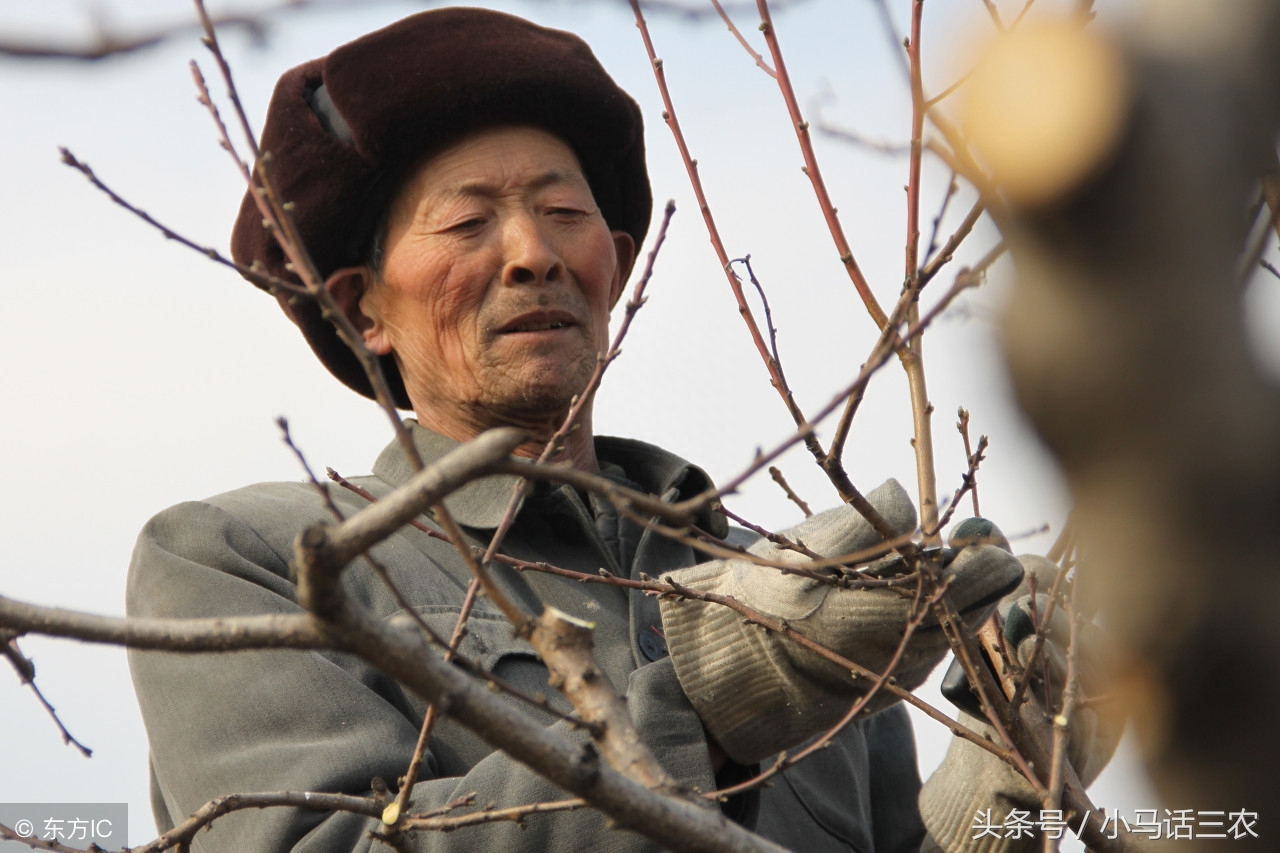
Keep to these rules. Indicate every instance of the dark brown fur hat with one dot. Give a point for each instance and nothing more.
(343, 130)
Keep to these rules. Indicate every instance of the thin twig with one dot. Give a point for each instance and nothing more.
(520, 619)
(565, 644)
(852, 580)
(1270, 186)
(1046, 682)
(270, 283)
(917, 142)
(746, 45)
(851, 406)
(832, 463)
(960, 160)
(489, 814)
(279, 221)
(1270, 183)
(944, 256)
(480, 580)
(776, 538)
(322, 488)
(895, 38)
(26, 671)
(211, 42)
(1062, 720)
(788, 760)
(184, 832)
(555, 444)
(1042, 625)
(33, 843)
(428, 487)
(812, 170)
(383, 573)
(768, 312)
(848, 492)
(776, 473)
(852, 137)
(1000, 715)
(995, 14)
(950, 90)
(952, 188)
(381, 570)
(805, 432)
(1026, 7)
(818, 569)
(681, 514)
(429, 719)
(705, 544)
(962, 424)
(969, 483)
(224, 136)
(106, 44)
(912, 353)
(856, 671)
(402, 655)
(713, 232)
(880, 354)
(175, 635)
(1063, 544)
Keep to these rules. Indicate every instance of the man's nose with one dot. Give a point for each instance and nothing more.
(531, 257)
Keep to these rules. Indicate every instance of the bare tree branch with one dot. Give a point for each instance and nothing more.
(776, 473)
(203, 817)
(676, 823)
(1164, 425)
(491, 815)
(270, 283)
(26, 671)
(107, 44)
(175, 635)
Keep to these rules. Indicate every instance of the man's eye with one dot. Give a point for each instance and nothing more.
(470, 224)
(566, 211)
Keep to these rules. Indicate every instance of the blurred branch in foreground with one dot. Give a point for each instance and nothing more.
(1126, 342)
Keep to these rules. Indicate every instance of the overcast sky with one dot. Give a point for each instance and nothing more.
(137, 374)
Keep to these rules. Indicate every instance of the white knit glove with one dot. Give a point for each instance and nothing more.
(972, 789)
(758, 693)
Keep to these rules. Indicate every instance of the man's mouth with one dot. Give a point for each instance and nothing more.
(539, 327)
(540, 321)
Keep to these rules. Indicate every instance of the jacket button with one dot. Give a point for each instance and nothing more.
(652, 644)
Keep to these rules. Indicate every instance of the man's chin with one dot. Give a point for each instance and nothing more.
(535, 405)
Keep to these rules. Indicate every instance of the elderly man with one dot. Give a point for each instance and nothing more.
(473, 189)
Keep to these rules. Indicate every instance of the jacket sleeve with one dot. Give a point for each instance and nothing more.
(895, 782)
(283, 720)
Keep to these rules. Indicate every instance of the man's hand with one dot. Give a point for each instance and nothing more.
(972, 783)
(759, 693)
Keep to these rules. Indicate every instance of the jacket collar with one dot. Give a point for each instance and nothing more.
(481, 503)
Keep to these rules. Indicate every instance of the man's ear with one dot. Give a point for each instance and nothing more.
(351, 288)
(625, 248)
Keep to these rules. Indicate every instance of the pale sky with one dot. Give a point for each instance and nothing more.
(138, 374)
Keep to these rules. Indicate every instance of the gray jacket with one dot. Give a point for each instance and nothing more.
(312, 721)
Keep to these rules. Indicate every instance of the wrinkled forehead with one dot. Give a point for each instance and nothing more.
(489, 164)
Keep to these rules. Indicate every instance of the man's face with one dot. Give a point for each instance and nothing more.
(498, 279)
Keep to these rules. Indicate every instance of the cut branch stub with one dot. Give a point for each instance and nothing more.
(565, 644)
